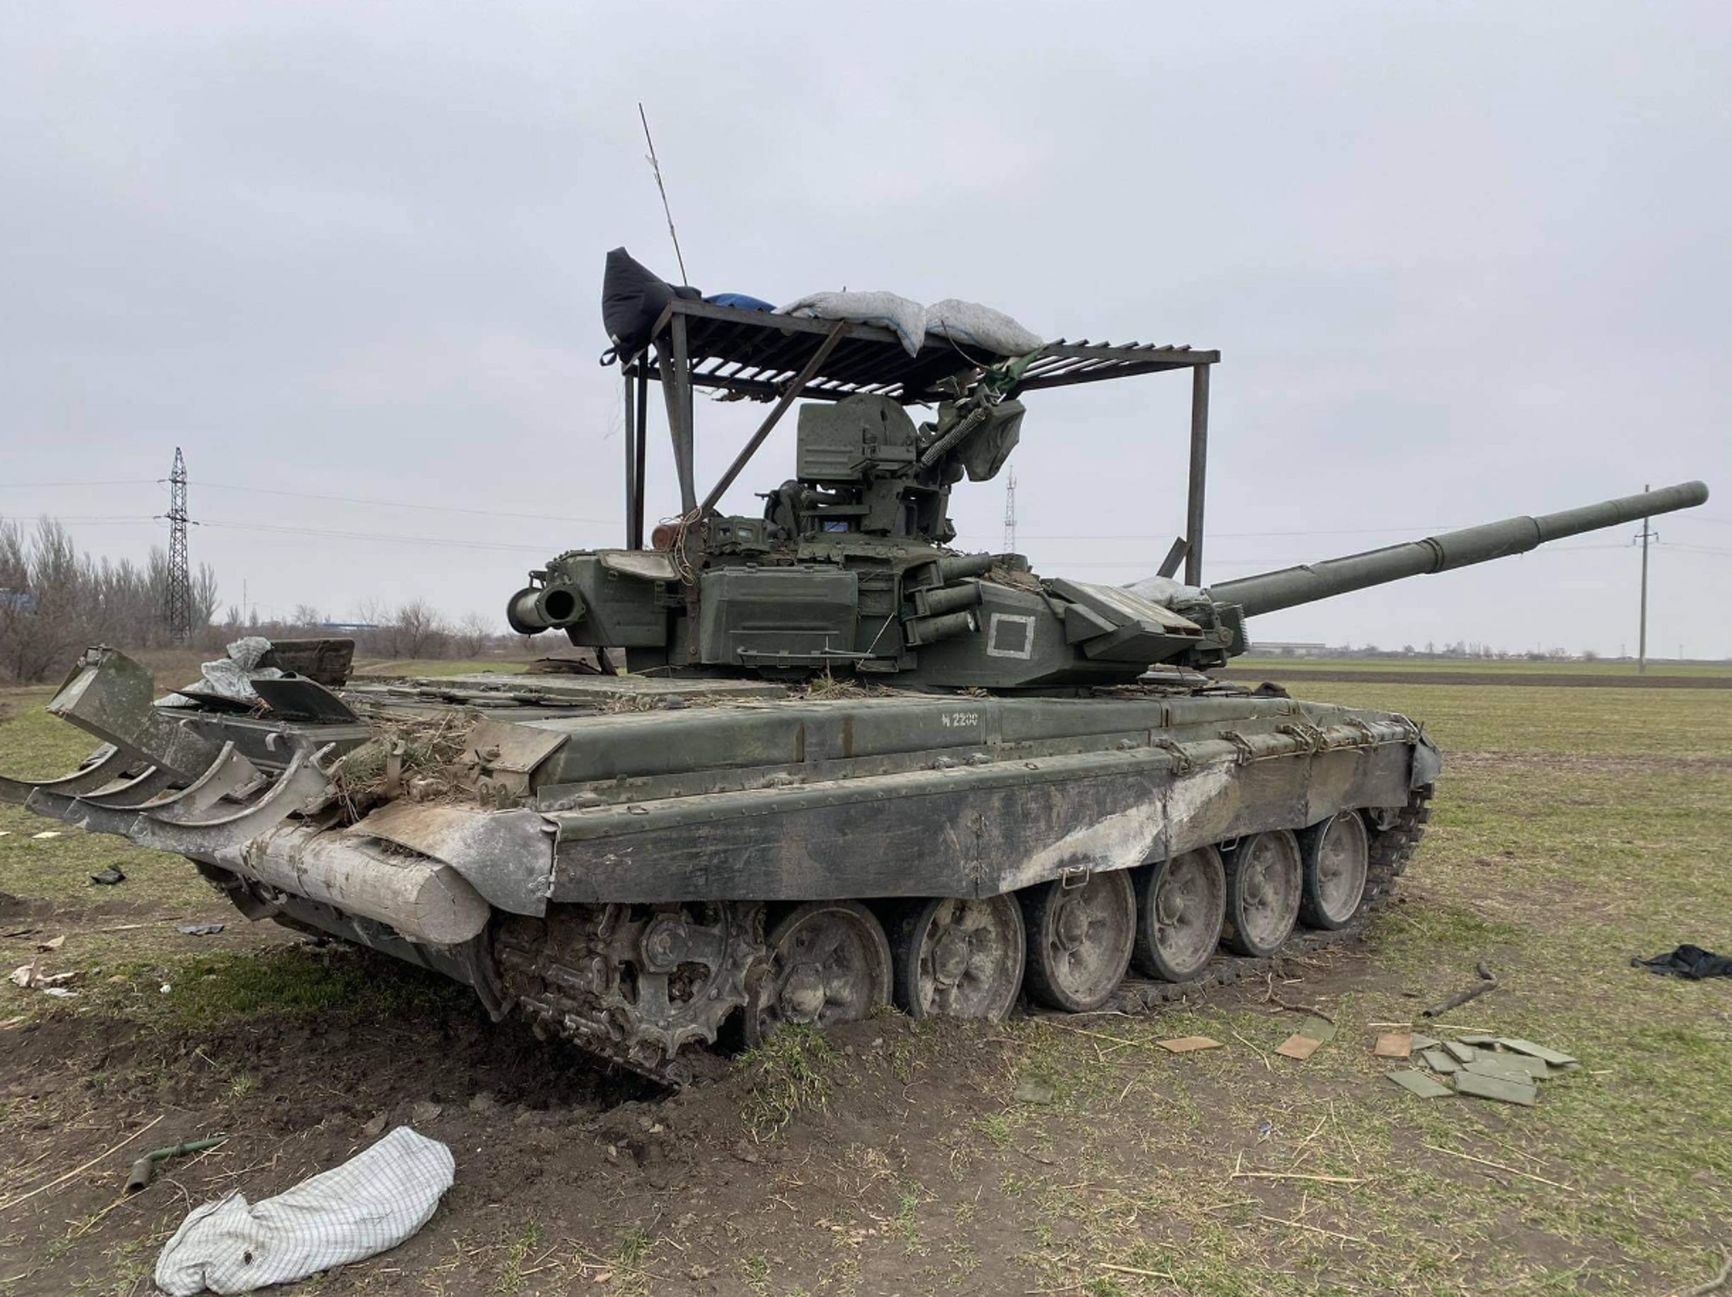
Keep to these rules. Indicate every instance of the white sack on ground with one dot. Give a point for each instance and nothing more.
(975, 325)
(906, 319)
(369, 1204)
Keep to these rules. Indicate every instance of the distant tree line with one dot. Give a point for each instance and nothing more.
(409, 630)
(55, 600)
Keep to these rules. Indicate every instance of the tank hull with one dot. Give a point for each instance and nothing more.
(608, 853)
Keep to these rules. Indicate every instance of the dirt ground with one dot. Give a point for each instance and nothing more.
(1042, 1155)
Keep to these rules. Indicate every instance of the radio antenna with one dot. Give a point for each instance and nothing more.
(656, 167)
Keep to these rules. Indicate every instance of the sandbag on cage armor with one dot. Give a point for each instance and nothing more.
(906, 319)
(633, 298)
(974, 325)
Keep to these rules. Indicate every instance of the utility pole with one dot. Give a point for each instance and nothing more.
(1645, 535)
(178, 596)
(1010, 512)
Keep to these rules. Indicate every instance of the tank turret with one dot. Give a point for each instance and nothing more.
(850, 569)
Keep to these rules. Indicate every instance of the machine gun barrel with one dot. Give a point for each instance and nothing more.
(1309, 582)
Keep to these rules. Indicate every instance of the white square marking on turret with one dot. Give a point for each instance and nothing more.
(1017, 643)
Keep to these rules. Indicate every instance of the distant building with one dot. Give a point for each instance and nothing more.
(18, 600)
(1289, 649)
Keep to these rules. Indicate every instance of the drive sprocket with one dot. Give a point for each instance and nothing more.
(636, 984)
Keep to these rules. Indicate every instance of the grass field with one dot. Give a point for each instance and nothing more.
(1574, 829)
(1280, 666)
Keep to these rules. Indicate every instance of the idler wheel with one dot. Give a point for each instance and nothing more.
(1263, 889)
(1181, 905)
(829, 963)
(1080, 937)
(1336, 853)
(958, 958)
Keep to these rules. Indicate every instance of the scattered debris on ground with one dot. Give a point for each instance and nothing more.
(369, 1204)
(30, 977)
(1487, 983)
(1313, 1032)
(144, 1170)
(109, 877)
(1506, 1069)
(200, 929)
(1690, 962)
(1188, 1044)
(1393, 1044)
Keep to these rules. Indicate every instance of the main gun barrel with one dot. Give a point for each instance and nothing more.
(1272, 591)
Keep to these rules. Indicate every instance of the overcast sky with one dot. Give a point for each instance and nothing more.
(1462, 261)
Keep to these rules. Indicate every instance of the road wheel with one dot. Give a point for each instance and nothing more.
(829, 964)
(1263, 890)
(1079, 939)
(958, 958)
(1336, 854)
(1181, 905)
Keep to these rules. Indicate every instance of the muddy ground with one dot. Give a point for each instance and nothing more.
(876, 1160)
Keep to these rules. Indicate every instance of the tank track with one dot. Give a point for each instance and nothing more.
(579, 976)
(571, 1000)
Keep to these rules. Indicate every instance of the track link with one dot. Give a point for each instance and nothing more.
(582, 975)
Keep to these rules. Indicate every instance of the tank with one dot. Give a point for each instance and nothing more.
(826, 762)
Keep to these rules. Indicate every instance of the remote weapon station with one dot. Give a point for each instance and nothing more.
(832, 762)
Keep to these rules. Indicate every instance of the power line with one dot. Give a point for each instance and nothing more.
(122, 481)
(402, 504)
(456, 542)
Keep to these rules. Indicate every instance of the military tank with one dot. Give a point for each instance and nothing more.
(825, 761)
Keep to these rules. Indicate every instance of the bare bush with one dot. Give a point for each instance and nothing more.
(473, 636)
(54, 600)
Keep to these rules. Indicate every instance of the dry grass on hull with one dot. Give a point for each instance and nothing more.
(419, 756)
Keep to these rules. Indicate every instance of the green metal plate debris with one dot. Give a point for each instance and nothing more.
(1481, 1086)
(1316, 1029)
(1424, 1042)
(1537, 1068)
(1537, 1051)
(1439, 1060)
(1508, 1067)
(1463, 1053)
(1426, 1087)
